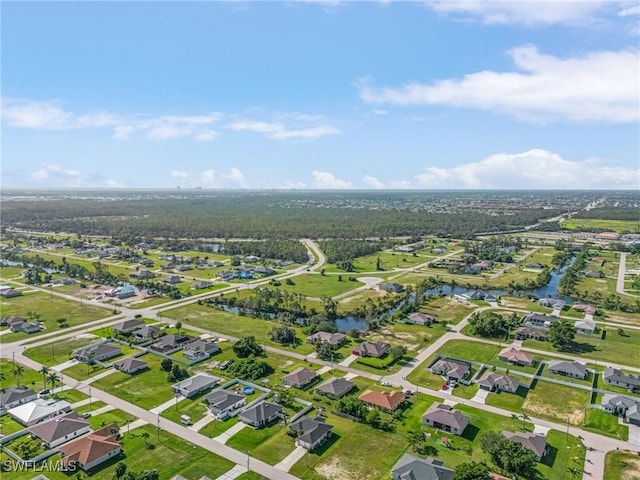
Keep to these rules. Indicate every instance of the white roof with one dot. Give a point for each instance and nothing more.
(37, 409)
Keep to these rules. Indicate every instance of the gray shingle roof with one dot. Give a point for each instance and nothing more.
(573, 368)
(336, 387)
(414, 468)
(222, 399)
(59, 427)
(261, 411)
(14, 394)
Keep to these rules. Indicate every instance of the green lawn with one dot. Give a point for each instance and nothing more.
(604, 423)
(59, 352)
(446, 309)
(508, 401)
(192, 407)
(146, 389)
(235, 325)
(614, 348)
(94, 405)
(611, 225)
(313, 285)
(588, 380)
(413, 337)
(113, 416)
(29, 378)
(270, 444)
(50, 309)
(542, 401)
(217, 427)
(621, 465)
(8, 425)
(10, 272)
(355, 451)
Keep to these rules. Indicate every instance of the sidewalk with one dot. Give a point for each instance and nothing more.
(235, 472)
(99, 376)
(348, 361)
(165, 405)
(208, 418)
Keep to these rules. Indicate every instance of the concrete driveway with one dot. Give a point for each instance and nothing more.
(634, 435)
(480, 396)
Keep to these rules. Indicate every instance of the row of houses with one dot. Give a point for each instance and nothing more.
(20, 324)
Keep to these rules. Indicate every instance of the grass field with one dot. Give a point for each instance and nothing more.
(508, 401)
(50, 309)
(604, 423)
(320, 285)
(146, 389)
(446, 309)
(59, 352)
(613, 348)
(270, 444)
(542, 401)
(192, 407)
(622, 465)
(610, 225)
(230, 324)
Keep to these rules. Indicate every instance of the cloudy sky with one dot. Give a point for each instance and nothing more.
(321, 94)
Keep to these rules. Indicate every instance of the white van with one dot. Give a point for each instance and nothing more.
(186, 419)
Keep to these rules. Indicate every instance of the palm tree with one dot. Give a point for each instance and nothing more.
(44, 371)
(17, 371)
(53, 379)
(514, 416)
(524, 417)
(415, 439)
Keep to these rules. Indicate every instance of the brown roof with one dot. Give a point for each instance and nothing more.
(95, 445)
(534, 442)
(300, 376)
(515, 355)
(388, 400)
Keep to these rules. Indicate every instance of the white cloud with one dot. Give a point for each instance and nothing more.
(373, 182)
(236, 177)
(533, 169)
(279, 131)
(295, 185)
(179, 174)
(600, 86)
(629, 11)
(328, 180)
(524, 12)
(33, 114)
(55, 175)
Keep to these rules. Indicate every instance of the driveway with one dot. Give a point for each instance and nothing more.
(634, 435)
(480, 396)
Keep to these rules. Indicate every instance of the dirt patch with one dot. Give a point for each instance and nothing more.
(333, 471)
(632, 470)
(399, 338)
(286, 364)
(576, 417)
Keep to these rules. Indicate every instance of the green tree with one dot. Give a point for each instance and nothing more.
(247, 347)
(397, 351)
(166, 365)
(53, 379)
(250, 368)
(325, 351)
(178, 326)
(121, 469)
(283, 335)
(471, 471)
(44, 371)
(561, 335)
(17, 372)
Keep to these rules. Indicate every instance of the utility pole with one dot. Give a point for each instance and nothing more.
(90, 408)
(158, 424)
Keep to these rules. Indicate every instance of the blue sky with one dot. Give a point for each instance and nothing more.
(321, 94)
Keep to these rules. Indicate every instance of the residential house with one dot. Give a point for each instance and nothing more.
(251, 259)
(226, 275)
(172, 343)
(310, 433)
(617, 404)
(587, 309)
(38, 410)
(201, 285)
(266, 271)
(261, 414)
(300, 378)
(130, 365)
(451, 369)
(142, 274)
(414, 468)
(554, 303)
(13, 396)
(539, 320)
(96, 352)
(335, 388)
(26, 327)
(517, 357)
(10, 293)
(420, 318)
(172, 280)
(587, 325)
(92, 450)
(592, 274)
(368, 349)
(145, 333)
(128, 326)
(535, 442)
(224, 404)
(568, 369)
(195, 385)
(534, 265)
(8, 321)
(444, 418)
(391, 287)
(334, 339)
(60, 429)
(200, 349)
(615, 376)
(524, 333)
(498, 382)
(385, 401)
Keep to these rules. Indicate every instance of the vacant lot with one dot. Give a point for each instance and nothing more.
(605, 423)
(543, 402)
(622, 465)
(59, 352)
(48, 309)
(611, 225)
(314, 285)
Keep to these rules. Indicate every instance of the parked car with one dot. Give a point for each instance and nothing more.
(445, 387)
(86, 415)
(137, 316)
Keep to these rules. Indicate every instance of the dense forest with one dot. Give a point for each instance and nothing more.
(269, 215)
(611, 213)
